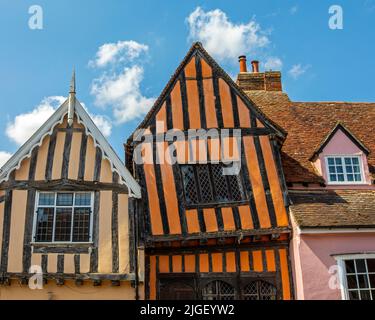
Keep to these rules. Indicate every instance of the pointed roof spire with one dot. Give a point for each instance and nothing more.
(72, 95)
(73, 82)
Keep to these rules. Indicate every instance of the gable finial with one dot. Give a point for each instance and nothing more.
(73, 82)
(72, 92)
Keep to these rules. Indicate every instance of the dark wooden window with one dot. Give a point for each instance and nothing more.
(218, 290)
(179, 286)
(207, 184)
(177, 290)
(259, 290)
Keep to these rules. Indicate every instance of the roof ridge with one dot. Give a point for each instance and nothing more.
(334, 102)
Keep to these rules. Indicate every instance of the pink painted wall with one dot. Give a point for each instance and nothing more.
(340, 144)
(312, 258)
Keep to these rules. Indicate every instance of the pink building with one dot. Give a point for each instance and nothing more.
(328, 160)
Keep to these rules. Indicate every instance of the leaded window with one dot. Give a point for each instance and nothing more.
(218, 290)
(63, 217)
(211, 184)
(259, 290)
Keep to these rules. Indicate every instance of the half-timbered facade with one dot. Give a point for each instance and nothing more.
(213, 219)
(329, 166)
(64, 199)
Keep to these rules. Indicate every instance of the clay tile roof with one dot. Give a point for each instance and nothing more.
(333, 208)
(309, 123)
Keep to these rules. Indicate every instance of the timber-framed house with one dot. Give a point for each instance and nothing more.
(64, 199)
(203, 234)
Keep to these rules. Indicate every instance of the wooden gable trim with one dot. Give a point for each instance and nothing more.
(49, 128)
(63, 184)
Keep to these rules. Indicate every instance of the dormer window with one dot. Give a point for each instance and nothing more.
(344, 169)
(341, 158)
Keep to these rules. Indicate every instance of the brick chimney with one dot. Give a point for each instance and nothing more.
(255, 80)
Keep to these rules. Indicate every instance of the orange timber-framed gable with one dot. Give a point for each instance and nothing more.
(200, 95)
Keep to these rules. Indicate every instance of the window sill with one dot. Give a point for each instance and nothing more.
(50, 247)
(347, 183)
(217, 205)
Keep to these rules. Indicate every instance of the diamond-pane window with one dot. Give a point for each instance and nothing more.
(205, 184)
(221, 185)
(211, 184)
(190, 188)
(259, 290)
(218, 290)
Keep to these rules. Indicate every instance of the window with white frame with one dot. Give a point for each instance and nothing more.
(344, 169)
(63, 217)
(359, 277)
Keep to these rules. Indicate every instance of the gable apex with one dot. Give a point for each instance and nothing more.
(187, 67)
(339, 127)
(90, 129)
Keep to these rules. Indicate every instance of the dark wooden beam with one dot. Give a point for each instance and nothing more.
(216, 248)
(50, 155)
(216, 133)
(95, 234)
(6, 230)
(82, 157)
(63, 184)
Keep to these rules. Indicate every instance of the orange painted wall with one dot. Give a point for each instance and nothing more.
(251, 262)
(220, 100)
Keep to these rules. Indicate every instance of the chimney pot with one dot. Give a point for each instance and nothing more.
(255, 66)
(242, 61)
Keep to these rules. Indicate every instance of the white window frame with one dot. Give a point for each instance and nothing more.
(342, 270)
(343, 156)
(54, 217)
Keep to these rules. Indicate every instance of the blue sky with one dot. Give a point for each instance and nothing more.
(144, 41)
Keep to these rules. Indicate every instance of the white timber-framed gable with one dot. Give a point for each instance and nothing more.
(91, 129)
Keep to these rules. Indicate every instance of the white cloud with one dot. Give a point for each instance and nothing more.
(4, 157)
(223, 38)
(293, 10)
(24, 125)
(122, 92)
(103, 123)
(297, 70)
(273, 63)
(119, 85)
(112, 53)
